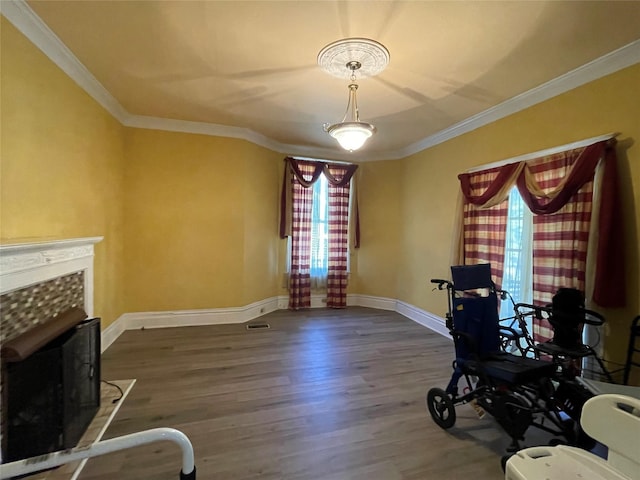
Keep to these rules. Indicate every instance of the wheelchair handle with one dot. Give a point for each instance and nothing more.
(440, 283)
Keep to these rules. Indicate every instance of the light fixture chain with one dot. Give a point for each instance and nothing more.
(356, 113)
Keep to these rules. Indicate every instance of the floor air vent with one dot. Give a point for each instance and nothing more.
(257, 326)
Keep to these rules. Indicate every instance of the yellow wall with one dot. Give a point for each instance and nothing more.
(375, 263)
(200, 222)
(61, 164)
(429, 183)
(261, 180)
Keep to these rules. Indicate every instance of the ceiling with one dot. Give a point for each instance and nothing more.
(252, 64)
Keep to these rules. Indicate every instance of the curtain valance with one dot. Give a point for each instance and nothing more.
(498, 189)
(537, 200)
(609, 254)
(582, 172)
(337, 174)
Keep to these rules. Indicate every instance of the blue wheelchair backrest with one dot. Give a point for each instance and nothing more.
(473, 315)
(470, 277)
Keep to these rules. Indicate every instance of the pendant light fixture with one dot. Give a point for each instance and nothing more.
(351, 133)
(349, 56)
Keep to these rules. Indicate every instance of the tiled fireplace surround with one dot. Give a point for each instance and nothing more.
(41, 280)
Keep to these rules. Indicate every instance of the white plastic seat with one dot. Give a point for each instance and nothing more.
(613, 420)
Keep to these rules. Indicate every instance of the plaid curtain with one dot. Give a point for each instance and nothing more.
(337, 275)
(484, 227)
(558, 189)
(560, 239)
(295, 220)
(545, 199)
(299, 274)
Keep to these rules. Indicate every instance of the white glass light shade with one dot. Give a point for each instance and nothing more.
(351, 135)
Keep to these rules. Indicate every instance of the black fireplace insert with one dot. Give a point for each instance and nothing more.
(54, 393)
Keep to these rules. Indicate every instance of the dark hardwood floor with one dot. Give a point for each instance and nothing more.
(322, 394)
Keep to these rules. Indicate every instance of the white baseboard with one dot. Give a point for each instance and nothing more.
(283, 302)
(427, 319)
(381, 303)
(112, 332)
(220, 316)
(319, 300)
(190, 318)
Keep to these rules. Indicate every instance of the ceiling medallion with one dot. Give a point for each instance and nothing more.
(372, 56)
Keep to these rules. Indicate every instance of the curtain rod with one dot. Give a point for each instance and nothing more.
(544, 153)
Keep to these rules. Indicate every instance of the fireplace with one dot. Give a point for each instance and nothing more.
(53, 390)
(39, 284)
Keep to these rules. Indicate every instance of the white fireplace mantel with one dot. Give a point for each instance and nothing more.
(25, 264)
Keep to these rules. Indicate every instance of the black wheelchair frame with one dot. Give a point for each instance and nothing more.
(566, 349)
(518, 391)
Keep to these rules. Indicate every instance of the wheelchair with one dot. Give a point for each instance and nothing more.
(518, 391)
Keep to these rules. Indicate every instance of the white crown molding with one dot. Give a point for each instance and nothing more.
(600, 67)
(202, 128)
(544, 153)
(25, 19)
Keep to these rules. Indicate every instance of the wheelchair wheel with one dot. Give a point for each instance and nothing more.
(441, 408)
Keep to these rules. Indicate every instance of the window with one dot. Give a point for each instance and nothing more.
(319, 254)
(518, 272)
(320, 228)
